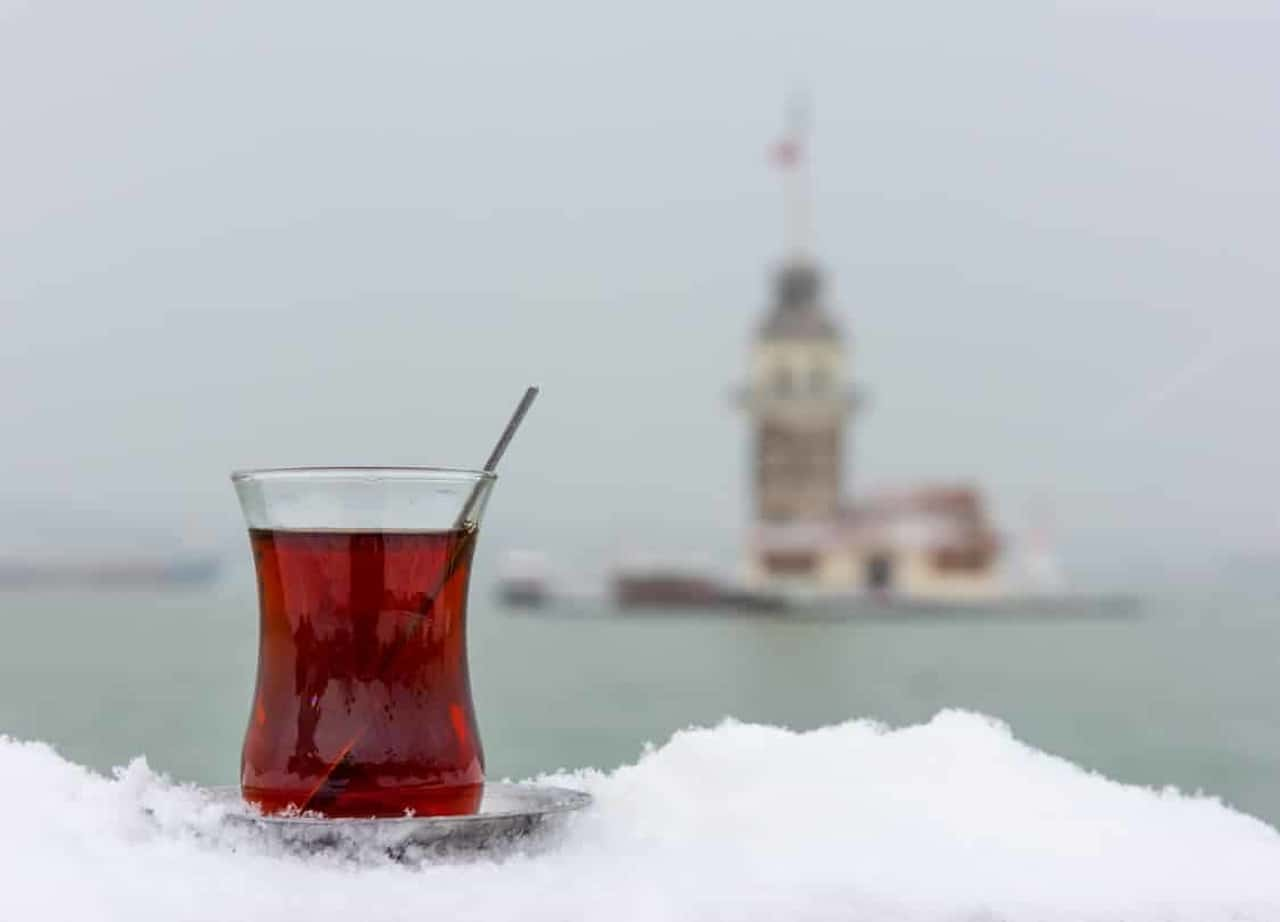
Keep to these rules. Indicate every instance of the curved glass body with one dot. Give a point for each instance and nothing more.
(363, 701)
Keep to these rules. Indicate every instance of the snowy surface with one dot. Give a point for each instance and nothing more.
(953, 820)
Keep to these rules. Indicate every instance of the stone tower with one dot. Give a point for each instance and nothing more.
(798, 396)
(798, 399)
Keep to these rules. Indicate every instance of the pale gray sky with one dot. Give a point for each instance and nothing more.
(244, 233)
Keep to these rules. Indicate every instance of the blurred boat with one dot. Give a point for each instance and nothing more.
(676, 589)
(524, 579)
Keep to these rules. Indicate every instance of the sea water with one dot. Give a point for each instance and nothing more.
(1184, 694)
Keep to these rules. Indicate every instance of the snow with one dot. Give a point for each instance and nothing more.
(953, 820)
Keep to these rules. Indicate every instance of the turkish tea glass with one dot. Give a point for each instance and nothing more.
(363, 700)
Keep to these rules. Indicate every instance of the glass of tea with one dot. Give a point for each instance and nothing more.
(363, 701)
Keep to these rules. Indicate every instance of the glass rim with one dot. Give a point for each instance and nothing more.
(364, 472)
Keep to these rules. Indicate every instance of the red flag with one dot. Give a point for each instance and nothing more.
(786, 153)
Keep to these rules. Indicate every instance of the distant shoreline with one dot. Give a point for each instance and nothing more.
(124, 573)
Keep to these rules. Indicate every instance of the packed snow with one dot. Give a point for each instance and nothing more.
(951, 820)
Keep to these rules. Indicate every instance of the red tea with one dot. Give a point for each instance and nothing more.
(363, 702)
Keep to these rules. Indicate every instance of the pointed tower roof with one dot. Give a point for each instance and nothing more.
(797, 311)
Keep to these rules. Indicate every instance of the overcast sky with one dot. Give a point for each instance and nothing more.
(245, 234)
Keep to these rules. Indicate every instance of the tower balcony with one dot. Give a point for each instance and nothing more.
(767, 401)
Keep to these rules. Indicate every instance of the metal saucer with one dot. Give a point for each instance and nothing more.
(509, 815)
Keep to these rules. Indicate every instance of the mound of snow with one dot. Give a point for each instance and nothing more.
(952, 820)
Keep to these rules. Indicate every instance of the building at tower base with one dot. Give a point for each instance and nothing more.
(930, 543)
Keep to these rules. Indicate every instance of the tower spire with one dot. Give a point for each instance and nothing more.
(790, 155)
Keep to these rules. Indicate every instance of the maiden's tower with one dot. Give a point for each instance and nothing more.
(921, 542)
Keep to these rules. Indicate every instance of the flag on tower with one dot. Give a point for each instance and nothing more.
(786, 153)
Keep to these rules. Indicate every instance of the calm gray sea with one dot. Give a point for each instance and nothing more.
(1184, 694)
